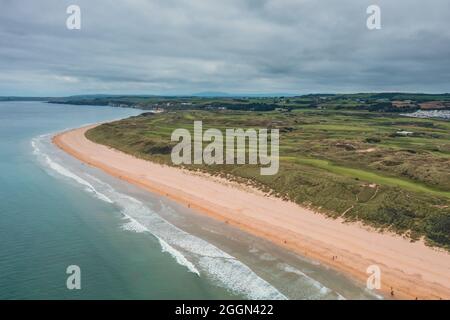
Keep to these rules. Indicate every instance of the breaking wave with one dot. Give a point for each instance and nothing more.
(65, 172)
(197, 255)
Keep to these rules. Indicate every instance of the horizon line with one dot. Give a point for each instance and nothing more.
(221, 94)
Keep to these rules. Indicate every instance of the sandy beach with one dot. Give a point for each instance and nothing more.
(412, 270)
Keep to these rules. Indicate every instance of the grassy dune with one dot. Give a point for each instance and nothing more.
(373, 177)
(349, 164)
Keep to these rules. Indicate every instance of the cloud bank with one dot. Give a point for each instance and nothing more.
(239, 46)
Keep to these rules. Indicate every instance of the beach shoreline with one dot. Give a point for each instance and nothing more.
(412, 270)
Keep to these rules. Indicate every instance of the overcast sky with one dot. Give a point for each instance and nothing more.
(237, 46)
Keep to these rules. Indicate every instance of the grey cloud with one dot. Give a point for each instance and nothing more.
(185, 46)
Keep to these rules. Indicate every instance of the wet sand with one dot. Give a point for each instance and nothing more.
(412, 270)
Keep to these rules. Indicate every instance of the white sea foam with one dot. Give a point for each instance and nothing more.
(65, 172)
(197, 255)
(373, 294)
(178, 256)
(240, 278)
(267, 257)
(223, 268)
(253, 250)
(133, 225)
(323, 290)
(130, 225)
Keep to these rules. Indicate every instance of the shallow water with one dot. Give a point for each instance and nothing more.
(129, 244)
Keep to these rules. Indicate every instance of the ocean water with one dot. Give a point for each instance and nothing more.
(129, 244)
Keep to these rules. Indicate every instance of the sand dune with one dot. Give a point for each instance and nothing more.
(410, 269)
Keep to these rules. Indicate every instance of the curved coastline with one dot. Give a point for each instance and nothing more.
(412, 270)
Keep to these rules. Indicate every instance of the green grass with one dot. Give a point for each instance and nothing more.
(402, 184)
(373, 177)
(338, 128)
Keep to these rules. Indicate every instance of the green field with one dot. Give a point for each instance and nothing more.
(350, 164)
(373, 177)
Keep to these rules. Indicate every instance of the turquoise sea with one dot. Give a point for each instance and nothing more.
(129, 244)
